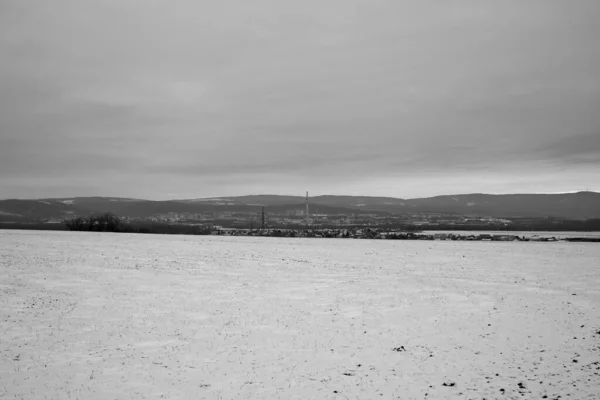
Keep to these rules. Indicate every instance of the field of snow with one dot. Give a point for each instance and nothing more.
(528, 234)
(120, 316)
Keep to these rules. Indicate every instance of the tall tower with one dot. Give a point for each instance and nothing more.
(307, 209)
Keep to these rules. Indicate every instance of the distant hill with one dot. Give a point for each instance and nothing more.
(581, 205)
(261, 199)
(33, 209)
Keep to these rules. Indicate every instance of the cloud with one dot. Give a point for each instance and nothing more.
(579, 149)
(272, 95)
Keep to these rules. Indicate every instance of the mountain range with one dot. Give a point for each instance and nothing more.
(580, 205)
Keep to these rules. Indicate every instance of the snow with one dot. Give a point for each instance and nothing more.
(529, 234)
(9, 214)
(100, 315)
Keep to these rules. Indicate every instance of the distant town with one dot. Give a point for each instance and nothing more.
(528, 212)
(296, 218)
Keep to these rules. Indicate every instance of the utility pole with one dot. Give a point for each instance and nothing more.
(263, 218)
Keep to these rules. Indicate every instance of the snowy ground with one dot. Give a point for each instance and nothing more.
(527, 234)
(119, 316)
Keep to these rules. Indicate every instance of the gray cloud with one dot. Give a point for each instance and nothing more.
(580, 149)
(199, 98)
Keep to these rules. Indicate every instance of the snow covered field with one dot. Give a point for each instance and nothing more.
(529, 234)
(119, 316)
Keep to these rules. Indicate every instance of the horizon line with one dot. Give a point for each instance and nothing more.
(301, 196)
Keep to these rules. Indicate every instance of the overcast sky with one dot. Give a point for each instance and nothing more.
(196, 98)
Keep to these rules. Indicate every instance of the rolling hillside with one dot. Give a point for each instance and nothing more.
(581, 205)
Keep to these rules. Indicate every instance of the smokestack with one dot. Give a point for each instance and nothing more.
(307, 209)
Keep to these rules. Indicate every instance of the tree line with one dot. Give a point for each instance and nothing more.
(109, 222)
(106, 222)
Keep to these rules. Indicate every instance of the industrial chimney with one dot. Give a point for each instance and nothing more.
(307, 209)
